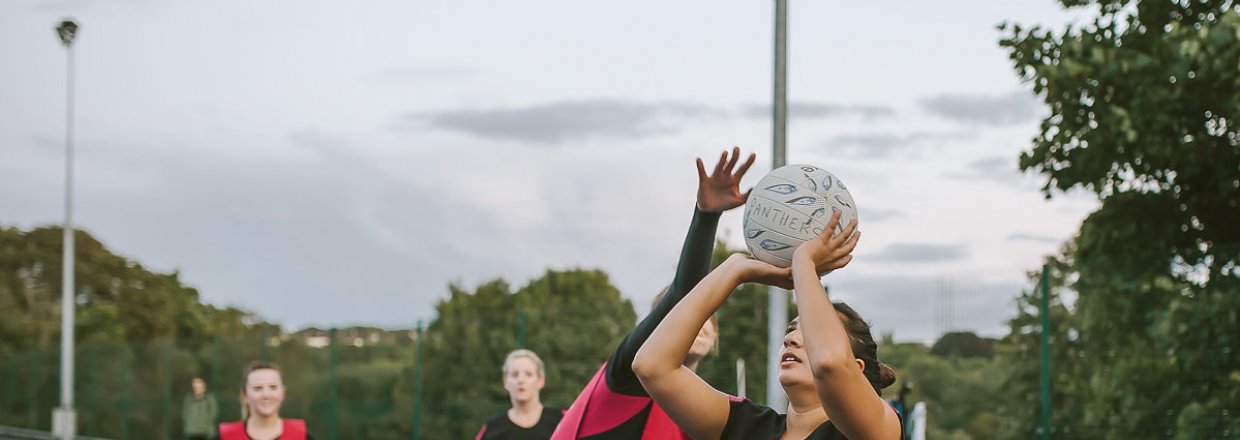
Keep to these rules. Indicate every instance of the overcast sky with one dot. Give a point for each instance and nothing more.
(336, 163)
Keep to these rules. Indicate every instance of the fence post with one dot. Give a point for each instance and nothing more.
(167, 367)
(87, 423)
(417, 383)
(1046, 353)
(126, 366)
(215, 368)
(520, 328)
(9, 377)
(331, 384)
(262, 344)
(32, 387)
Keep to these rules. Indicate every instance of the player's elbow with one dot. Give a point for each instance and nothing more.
(644, 367)
(829, 366)
(649, 367)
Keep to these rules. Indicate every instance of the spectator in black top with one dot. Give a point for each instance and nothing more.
(829, 366)
(528, 419)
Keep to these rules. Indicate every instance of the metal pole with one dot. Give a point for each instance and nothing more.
(215, 366)
(32, 392)
(10, 376)
(1046, 353)
(262, 345)
(740, 377)
(64, 422)
(331, 356)
(166, 414)
(417, 384)
(126, 371)
(778, 298)
(92, 393)
(520, 328)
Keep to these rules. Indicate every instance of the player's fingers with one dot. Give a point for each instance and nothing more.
(736, 155)
(745, 166)
(847, 233)
(831, 225)
(701, 168)
(723, 159)
(849, 245)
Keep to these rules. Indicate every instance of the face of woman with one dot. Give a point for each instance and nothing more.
(704, 341)
(522, 380)
(264, 392)
(792, 367)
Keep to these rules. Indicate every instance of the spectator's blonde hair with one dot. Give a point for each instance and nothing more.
(714, 317)
(523, 353)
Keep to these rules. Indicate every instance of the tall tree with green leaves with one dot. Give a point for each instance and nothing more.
(1143, 103)
(573, 319)
(139, 332)
(118, 299)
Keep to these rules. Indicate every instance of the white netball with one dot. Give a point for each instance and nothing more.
(790, 205)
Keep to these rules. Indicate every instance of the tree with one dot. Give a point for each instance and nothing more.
(1143, 107)
(118, 299)
(573, 319)
(138, 333)
(963, 345)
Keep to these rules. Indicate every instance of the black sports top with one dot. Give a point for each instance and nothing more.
(501, 427)
(750, 421)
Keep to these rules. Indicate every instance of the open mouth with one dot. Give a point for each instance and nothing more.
(788, 359)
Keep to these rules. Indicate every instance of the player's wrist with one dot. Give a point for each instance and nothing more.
(802, 258)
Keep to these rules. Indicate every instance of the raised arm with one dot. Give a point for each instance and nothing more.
(718, 191)
(700, 410)
(847, 396)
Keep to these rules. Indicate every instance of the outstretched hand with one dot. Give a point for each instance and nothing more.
(829, 251)
(720, 190)
(752, 270)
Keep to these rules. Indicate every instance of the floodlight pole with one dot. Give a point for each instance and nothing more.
(778, 298)
(64, 418)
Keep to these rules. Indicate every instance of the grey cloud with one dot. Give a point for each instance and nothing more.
(568, 120)
(798, 110)
(987, 110)
(993, 164)
(997, 169)
(1035, 238)
(78, 5)
(557, 122)
(920, 253)
(231, 220)
(878, 215)
(883, 145)
(421, 73)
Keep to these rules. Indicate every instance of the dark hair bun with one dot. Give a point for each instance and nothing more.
(886, 376)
